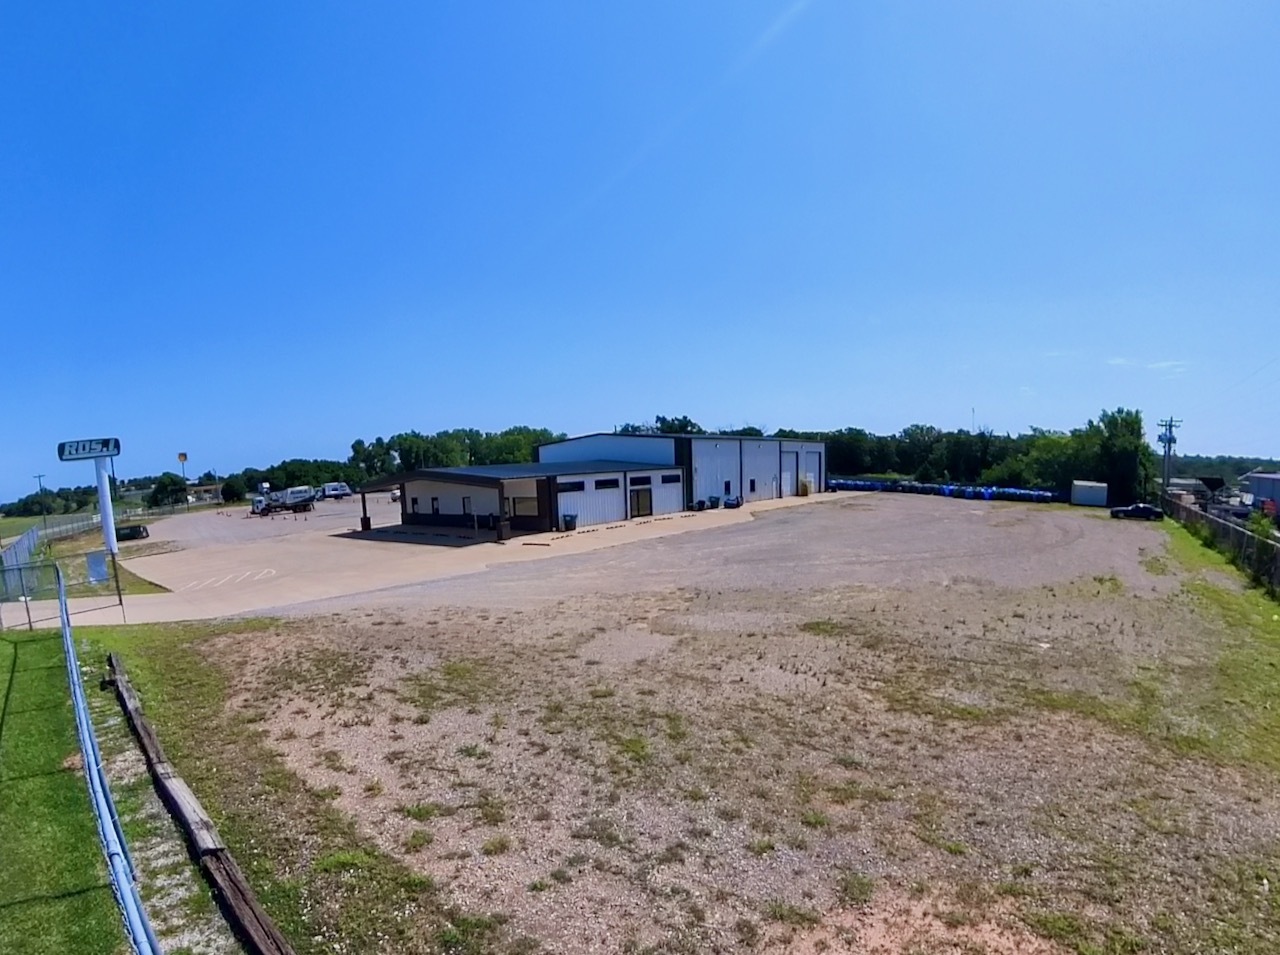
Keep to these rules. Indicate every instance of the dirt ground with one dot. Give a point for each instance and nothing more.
(888, 724)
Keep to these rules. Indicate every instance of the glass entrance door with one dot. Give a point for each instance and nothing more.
(641, 502)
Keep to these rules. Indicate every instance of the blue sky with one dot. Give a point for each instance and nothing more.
(258, 231)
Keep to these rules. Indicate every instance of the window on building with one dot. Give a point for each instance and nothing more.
(752, 485)
(728, 488)
(606, 484)
(466, 505)
(642, 481)
(670, 479)
(524, 506)
(435, 505)
(564, 487)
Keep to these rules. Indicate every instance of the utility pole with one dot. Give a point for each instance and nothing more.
(1168, 440)
(44, 505)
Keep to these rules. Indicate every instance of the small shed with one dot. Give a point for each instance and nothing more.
(1088, 494)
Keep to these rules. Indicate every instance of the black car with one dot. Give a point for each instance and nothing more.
(1139, 512)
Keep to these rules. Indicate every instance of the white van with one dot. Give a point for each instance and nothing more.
(336, 490)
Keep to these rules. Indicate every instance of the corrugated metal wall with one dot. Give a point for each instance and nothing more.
(612, 447)
(715, 461)
(667, 498)
(603, 506)
(760, 462)
(813, 470)
(790, 473)
(484, 500)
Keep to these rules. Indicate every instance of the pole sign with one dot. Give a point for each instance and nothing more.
(88, 449)
(182, 456)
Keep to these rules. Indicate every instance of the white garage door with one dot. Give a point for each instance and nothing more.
(813, 470)
(789, 469)
(595, 499)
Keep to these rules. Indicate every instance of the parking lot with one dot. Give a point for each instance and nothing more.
(862, 723)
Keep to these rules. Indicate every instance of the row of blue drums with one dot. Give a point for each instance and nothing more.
(945, 490)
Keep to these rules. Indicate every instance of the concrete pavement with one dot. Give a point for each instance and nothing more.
(304, 563)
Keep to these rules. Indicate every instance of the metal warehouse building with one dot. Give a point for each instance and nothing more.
(603, 478)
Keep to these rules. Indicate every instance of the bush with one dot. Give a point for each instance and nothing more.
(233, 489)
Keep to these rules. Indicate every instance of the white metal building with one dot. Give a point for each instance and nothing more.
(603, 478)
(537, 496)
(714, 465)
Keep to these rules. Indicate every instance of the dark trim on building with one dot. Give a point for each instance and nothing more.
(684, 461)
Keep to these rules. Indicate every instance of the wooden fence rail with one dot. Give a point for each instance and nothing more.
(246, 916)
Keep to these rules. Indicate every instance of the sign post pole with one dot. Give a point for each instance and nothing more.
(100, 451)
(107, 511)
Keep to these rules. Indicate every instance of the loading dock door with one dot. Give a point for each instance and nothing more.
(813, 470)
(789, 471)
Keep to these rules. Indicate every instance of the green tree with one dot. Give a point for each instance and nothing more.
(169, 489)
(681, 425)
(233, 489)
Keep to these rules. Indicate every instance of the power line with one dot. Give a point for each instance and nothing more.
(1257, 371)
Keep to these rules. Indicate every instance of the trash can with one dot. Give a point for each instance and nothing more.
(713, 502)
(570, 522)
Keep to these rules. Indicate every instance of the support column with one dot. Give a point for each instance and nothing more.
(105, 508)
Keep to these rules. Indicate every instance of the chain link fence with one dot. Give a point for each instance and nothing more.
(1256, 556)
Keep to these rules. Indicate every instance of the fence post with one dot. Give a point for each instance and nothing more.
(22, 577)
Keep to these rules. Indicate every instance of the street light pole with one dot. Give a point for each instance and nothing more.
(44, 507)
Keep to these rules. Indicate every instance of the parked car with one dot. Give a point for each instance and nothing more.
(1138, 512)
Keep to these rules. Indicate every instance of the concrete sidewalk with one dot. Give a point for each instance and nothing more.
(233, 579)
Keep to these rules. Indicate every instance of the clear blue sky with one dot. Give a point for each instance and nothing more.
(258, 231)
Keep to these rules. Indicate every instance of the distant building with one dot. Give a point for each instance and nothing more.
(1263, 485)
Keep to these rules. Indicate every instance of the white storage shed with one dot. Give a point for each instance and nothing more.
(1088, 494)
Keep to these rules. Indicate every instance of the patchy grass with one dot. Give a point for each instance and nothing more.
(11, 527)
(788, 914)
(69, 553)
(826, 628)
(496, 846)
(418, 839)
(1229, 712)
(854, 889)
(760, 847)
(422, 811)
(322, 882)
(465, 683)
(54, 893)
(813, 819)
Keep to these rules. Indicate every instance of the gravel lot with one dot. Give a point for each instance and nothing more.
(836, 728)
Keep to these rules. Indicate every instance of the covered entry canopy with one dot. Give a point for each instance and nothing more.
(534, 496)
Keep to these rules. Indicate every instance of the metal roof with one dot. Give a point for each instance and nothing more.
(491, 474)
(658, 434)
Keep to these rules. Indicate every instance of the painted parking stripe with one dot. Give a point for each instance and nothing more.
(233, 578)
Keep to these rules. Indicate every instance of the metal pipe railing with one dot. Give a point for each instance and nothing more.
(114, 847)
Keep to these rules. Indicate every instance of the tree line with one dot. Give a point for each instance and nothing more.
(1112, 449)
